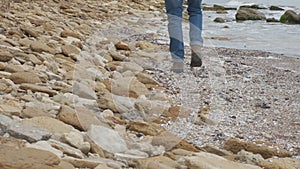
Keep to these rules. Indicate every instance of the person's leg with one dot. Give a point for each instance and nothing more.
(196, 40)
(174, 10)
(195, 13)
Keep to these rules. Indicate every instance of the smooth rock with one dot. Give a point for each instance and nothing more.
(77, 140)
(249, 14)
(56, 127)
(30, 112)
(38, 46)
(25, 77)
(129, 87)
(151, 129)
(249, 158)
(145, 45)
(12, 142)
(44, 145)
(14, 68)
(122, 46)
(80, 117)
(28, 132)
(5, 121)
(215, 150)
(117, 56)
(70, 50)
(84, 91)
(290, 17)
(70, 33)
(5, 56)
(38, 88)
(146, 79)
(83, 163)
(131, 66)
(266, 149)
(10, 107)
(204, 160)
(30, 32)
(102, 166)
(66, 165)
(107, 139)
(66, 149)
(275, 8)
(23, 158)
(280, 163)
(159, 162)
(115, 103)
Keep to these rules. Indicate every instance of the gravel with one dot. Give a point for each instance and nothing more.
(252, 95)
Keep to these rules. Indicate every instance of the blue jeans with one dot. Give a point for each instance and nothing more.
(174, 10)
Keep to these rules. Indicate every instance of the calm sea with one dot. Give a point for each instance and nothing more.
(256, 35)
(291, 3)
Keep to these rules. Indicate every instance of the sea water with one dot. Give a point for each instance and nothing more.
(256, 35)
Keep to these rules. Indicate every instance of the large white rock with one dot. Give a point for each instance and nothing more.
(108, 139)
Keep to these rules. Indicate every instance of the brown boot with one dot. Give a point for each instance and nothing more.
(196, 60)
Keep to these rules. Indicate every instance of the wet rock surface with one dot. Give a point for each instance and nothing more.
(88, 85)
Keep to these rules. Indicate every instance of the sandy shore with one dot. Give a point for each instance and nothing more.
(252, 95)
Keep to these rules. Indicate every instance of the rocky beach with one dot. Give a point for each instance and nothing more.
(87, 85)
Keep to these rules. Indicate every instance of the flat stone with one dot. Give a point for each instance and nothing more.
(212, 161)
(266, 149)
(14, 68)
(117, 56)
(66, 149)
(52, 125)
(30, 32)
(38, 46)
(10, 107)
(38, 88)
(69, 50)
(25, 77)
(115, 103)
(12, 142)
(44, 145)
(215, 150)
(13, 158)
(84, 91)
(77, 140)
(66, 165)
(70, 33)
(151, 129)
(5, 56)
(102, 166)
(281, 163)
(146, 79)
(159, 162)
(28, 132)
(129, 87)
(107, 139)
(83, 163)
(30, 112)
(130, 66)
(5, 121)
(80, 117)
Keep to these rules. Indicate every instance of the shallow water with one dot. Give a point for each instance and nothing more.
(257, 35)
(290, 3)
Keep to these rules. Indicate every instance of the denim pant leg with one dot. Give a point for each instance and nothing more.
(195, 13)
(174, 10)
